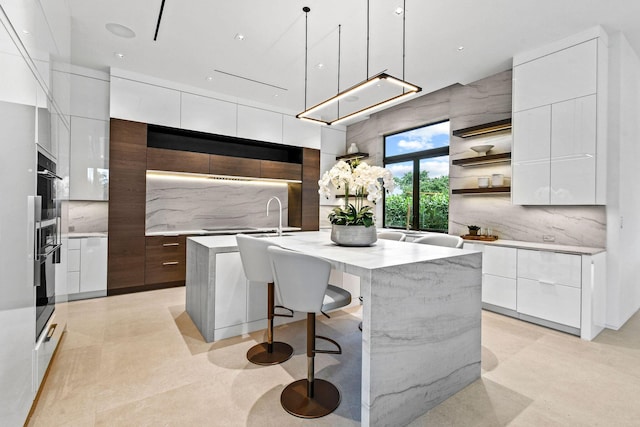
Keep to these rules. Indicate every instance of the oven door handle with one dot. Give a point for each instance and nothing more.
(48, 253)
(48, 174)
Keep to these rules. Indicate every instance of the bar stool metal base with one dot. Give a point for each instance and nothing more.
(325, 400)
(259, 353)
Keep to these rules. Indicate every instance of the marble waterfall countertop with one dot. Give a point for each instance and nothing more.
(421, 314)
(80, 235)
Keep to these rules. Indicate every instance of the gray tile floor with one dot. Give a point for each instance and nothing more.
(138, 360)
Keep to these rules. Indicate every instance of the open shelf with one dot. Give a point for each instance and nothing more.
(481, 190)
(352, 156)
(483, 160)
(483, 129)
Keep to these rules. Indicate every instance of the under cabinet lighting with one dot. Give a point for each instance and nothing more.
(198, 176)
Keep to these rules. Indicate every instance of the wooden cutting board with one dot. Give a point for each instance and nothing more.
(481, 238)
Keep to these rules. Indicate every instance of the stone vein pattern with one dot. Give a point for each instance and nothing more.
(87, 216)
(420, 344)
(480, 102)
(191, 204)
(421, 317)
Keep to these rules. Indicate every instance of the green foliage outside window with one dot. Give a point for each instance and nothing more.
(434, 202)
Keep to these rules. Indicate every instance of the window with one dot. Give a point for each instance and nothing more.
(419, 161)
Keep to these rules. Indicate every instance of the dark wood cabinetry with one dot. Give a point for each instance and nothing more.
(127, 201)
(165, 260)
(161, 159)
(233, 166)
(138, 263)
(280, 170)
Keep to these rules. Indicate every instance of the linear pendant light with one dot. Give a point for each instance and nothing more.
(408, 89)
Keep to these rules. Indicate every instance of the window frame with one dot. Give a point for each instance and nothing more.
(416, 157)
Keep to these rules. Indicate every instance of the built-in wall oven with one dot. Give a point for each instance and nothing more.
(47, 241)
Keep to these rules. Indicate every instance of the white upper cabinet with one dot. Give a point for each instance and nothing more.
(89, 176)
(258, 124)
(142, 102)
(208, 115)
(89, 97)
(559, 123)
(300, 133)
(531, 156)
(573, 152)
(565, 74)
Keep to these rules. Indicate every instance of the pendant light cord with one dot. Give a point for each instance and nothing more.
(339, 40)
(367, 78)
(404, 36)
(306, 11)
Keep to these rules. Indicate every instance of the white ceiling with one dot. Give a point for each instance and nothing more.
(196, 38)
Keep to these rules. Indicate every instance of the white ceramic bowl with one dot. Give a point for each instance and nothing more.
(482, 149)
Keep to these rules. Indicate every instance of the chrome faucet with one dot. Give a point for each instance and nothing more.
(280, 219)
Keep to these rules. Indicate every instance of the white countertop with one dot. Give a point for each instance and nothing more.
(80, 235)
(540, 246)
(551, 247)
(384, 253)
(232, 231)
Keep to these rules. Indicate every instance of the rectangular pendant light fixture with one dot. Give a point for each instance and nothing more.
(408, 90)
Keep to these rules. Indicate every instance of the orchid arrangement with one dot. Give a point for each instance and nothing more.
(360, 181)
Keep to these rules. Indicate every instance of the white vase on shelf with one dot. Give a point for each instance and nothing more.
(353, 148)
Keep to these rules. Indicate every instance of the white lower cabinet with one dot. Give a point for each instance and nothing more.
(549, 301)
(86, 267)
(544, 287)
(230, 291)
(549, 286)
(499, 291)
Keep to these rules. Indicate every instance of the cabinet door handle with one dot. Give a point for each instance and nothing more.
(546, 282)
(50, 332)
(170, 244)
(171, 263)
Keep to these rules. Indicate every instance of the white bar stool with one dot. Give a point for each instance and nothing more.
(257, 268)
(440, 239)
(301, 283)
(392, 235)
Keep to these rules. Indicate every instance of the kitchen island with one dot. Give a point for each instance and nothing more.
(421, 315)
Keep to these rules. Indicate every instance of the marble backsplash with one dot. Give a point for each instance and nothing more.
(480, 102)
(86, 216)
(177, 203)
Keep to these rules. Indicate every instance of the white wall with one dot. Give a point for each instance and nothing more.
(623, 198)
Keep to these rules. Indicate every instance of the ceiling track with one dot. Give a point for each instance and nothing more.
(155, 36)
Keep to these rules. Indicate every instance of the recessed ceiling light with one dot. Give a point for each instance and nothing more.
(398, 11)
(26, 32)
(120, 30)
(276, 95)
(460, 48)
(239, 36)
(320, 66)
(119, 55)
(209, 78)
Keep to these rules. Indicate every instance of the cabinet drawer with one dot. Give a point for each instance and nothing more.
(499, 261)
(557, 303)
(165, 259)
(500, 291)
(550, 267)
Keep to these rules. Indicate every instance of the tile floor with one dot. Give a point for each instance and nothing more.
(138, 360)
